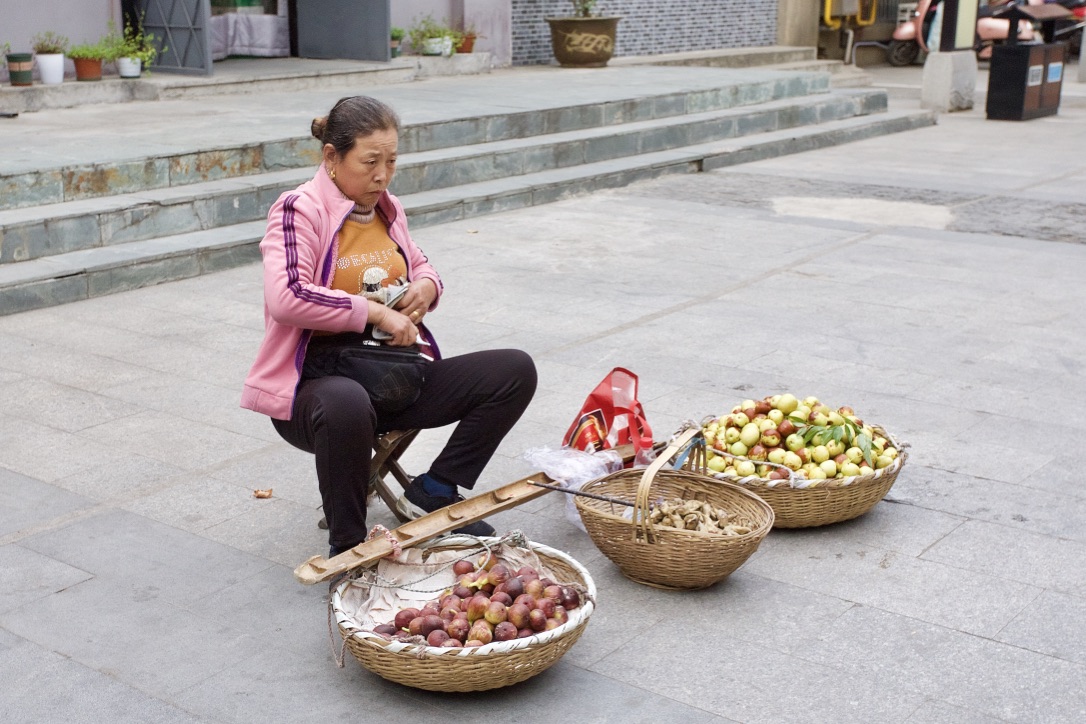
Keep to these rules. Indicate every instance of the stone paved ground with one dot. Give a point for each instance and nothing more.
(141, 581)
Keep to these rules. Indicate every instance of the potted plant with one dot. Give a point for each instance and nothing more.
(429, 37)
(585, 39)
(395, 37)
(466, 39)
(49, 49)
(88, 59)
(20, 66)
(135, 51)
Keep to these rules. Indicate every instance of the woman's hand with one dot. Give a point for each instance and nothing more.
(420, 295)
(399, 325)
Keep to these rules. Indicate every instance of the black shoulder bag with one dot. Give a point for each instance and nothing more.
(393, 376)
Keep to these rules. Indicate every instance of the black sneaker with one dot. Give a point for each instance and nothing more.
(416, 502)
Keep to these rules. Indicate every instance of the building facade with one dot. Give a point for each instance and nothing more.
(650, 27)
(514, 32)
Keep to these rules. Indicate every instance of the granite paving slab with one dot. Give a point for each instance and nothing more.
(1052, 625)
(171, 439)
(22, 444)
(26, 576)
(41, 685)
(750, 682)
(25, 499)
(1017, 506)
(126, 478)
(141, 560)
(970, 672)
(1013, 554)
(279, 530)
(933, 712)
(63, 364)
(140, 638)
(966, 600)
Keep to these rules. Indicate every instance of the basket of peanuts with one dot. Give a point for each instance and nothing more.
(670, 525)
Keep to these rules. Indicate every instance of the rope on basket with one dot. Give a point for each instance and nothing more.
(392, 540)
(696, 446)
(342, 653)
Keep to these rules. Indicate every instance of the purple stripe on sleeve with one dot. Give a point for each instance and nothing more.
(290, 243)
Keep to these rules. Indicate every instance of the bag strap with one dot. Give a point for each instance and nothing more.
(643, 439)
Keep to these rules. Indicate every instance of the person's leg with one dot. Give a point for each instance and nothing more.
(334, 420)
(485, 393)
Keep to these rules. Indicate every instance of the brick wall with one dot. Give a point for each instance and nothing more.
(650, 27)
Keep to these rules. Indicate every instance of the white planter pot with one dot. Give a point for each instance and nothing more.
(51, 68)
(129, 67)
(437, 46)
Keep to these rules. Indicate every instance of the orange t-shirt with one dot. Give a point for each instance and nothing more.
(366, 247)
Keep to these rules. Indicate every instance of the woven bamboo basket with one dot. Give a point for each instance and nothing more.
(823, 502)
(666, 557)
(491, 666)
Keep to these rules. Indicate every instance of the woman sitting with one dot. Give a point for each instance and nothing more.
(317, 374)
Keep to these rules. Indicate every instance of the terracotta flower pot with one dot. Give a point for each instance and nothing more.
(583, 42)
(88, 68)
(466, 45)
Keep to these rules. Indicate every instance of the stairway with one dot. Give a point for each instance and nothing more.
(71, 232)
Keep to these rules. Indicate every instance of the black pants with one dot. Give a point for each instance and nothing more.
(485, 392)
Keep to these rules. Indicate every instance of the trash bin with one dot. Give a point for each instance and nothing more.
(1025, 80)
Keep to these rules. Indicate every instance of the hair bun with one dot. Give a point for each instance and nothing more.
(318, 127)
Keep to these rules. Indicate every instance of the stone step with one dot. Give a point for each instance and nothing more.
(34, 185)
(842, 75)
(724, 57)
(453, 204)
(94, 272)
(458, 166)
(41, 231)
(34, 232)
(784, 58)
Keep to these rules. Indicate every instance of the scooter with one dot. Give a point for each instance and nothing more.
(1071, 30)
(905, 50)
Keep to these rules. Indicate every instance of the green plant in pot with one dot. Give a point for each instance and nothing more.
(49, 49)
(584, 8)
(429, 37)
(466, 38)
(20, 66)
(585, 39)
(136, 50)
(88, 58)
(395, 38)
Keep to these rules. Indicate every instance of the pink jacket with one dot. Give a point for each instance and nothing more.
(299, 250)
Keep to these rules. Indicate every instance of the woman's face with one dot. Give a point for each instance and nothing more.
(364, 172)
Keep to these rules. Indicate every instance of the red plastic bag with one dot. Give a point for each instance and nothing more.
(611, 416)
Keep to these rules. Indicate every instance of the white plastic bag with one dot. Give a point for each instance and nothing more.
(571, 469)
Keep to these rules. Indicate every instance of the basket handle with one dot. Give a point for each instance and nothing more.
(642, 526)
